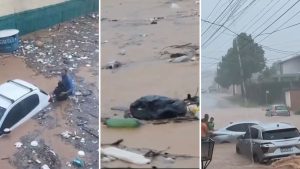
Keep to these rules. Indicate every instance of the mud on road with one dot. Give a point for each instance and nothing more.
(42, 54)
(224, 155)
(150, 48)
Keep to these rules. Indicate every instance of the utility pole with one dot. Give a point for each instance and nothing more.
(241, 70)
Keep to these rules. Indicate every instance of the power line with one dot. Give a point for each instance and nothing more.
(242, 11)
(281, 29)
(214, 9)
(226, 17)
(265, 47)
(258, 14)
(268, 19)
(278, 18)
(248, 28)
(217, 29)
(218, 17)
(278, 29)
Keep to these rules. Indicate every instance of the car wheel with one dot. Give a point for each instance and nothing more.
(256, 159)
(237, 150)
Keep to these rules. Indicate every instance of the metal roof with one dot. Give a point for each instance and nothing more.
(291, 58)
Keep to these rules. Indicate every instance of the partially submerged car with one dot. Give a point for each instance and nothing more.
(265, 142)
(19, 101)
(231, 132)
(278, 110)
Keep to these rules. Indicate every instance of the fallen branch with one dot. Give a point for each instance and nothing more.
(153, 153)
(116, 143)
(119, 108)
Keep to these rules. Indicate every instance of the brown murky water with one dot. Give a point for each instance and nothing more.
(224, 154)
(145, 73)
(11, 68)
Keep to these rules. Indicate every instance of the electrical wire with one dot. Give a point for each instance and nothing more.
(251, 3)
(278, 18)
(218, 17)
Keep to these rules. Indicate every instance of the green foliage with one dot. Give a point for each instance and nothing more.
(252, 58)
(268, 72)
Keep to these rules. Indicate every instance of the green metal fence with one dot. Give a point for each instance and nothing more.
(32, 20)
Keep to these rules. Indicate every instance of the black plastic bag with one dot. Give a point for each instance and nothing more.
(155, 107)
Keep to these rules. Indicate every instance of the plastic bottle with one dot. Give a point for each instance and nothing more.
(122, 123)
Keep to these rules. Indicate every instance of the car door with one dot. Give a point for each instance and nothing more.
(250, 142)
(19, 111)
(243, 142)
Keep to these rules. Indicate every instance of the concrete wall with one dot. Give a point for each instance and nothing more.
(291, 66)
(43, 14)
(8, 7)
(294, 99)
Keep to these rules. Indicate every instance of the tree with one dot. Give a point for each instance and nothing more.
(268, 72)
(230, 71)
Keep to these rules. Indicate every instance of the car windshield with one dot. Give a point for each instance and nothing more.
(280, 108)
(280, 134)
(2, 111)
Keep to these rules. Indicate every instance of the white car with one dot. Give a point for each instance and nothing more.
(266, 142)
(230, 133)
(278, 110)
(19, 101)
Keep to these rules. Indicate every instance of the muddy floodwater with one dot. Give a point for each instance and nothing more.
(14, 68)
(225, 112)
(129, 37)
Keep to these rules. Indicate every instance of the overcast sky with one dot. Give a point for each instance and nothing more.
(252, 20)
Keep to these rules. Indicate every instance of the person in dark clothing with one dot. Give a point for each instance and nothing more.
(65, 87)
(206, 118)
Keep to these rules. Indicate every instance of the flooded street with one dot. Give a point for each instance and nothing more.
(15, 68)
(224, 154)
(78, 115)
(129, 37)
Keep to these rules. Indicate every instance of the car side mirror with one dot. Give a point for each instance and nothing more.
(6, 131)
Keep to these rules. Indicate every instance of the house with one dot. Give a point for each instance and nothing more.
(292, 99)
(290, 66)
(289, 71)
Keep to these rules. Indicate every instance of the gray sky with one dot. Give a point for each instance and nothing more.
(253, 21)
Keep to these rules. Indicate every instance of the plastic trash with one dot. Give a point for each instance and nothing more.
(125, 155)
(45, 166)
(78, 162)
(34, 143)
(122, 123)
(18, 144)
(81, 153)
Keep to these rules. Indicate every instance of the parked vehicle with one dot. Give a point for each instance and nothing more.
(19, 101)
(265, 142)
(278, 110)
(231, 132)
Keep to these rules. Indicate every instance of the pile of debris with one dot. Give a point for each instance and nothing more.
(139, 156)
(33, 153)
(70, 44)
(181, 53)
